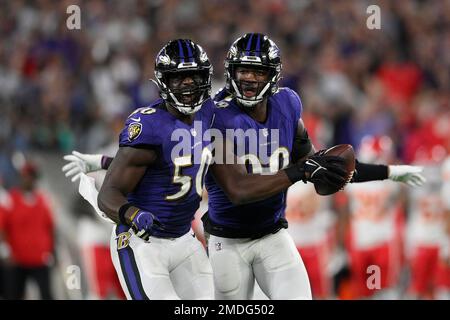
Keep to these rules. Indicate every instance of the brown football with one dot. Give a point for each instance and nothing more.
(346, 152)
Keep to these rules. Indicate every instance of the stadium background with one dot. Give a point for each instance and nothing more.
(64, 89)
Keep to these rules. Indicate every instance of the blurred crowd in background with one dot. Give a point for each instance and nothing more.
(64, 89)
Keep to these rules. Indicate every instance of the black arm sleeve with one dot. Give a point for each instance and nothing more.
(301, 147)
(369, 172)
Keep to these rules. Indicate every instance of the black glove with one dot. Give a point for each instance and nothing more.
(321, 170)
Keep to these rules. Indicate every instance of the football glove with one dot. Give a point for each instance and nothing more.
(411, 175)
(320, 170)
(326, 171)
(81, 163)
(142, 223)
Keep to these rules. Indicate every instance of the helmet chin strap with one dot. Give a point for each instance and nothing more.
(248, 103)
(155, 82)
(187, 111)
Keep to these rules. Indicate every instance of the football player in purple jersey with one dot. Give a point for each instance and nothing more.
(247, 240)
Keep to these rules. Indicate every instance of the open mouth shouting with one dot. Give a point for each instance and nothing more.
(187, 97)
(249, 89)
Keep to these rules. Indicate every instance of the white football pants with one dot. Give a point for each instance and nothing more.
(161, 268)
(272, 260)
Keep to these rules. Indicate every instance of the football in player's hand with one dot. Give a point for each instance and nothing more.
(346, 152)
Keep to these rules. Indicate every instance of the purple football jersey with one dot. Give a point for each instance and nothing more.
(171, 188)
(265, 148)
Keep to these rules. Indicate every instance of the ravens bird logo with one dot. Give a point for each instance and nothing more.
(134, 130)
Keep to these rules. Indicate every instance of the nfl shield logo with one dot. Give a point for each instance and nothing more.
(193, 132)
(218, 246)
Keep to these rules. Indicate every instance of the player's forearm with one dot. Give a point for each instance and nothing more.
(111, 200)
(255, 187)
(370, 172)
(123, 175)
(241, 187)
